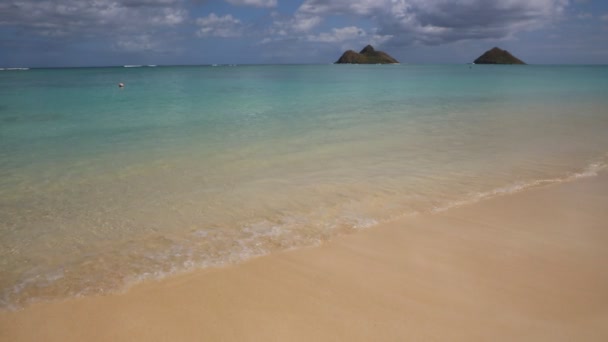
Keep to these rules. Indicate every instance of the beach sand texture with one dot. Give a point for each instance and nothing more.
(527, 266)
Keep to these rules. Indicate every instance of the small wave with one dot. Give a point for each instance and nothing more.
(205, 248)
(132, 66)
(590, 171)
(13, 69)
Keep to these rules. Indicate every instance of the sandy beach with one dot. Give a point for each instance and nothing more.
(527, 266)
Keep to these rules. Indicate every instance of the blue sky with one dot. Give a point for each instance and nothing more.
(38, 33)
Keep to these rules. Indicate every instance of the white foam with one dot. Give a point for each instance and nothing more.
(252, 240)
(363, 223)
(590, 171)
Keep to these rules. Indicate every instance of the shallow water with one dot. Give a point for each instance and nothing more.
(190, 167)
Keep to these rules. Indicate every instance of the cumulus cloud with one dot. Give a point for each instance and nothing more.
(75, 15)
(303, 23)
(86, 19)
(442, 21)
(338, 35)
(294, 25)
(425, 21)
(345, 34)
(162, 25)
(216, 26)
(256, 3)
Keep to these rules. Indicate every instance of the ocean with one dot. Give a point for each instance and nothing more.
(191, 167)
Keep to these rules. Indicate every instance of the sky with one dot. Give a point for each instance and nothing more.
(58, 33)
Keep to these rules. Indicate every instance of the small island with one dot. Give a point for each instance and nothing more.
(367, 56)
(498, 56)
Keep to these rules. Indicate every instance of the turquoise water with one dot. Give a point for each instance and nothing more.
(193, 167)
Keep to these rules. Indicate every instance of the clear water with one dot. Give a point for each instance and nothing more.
(190, 167)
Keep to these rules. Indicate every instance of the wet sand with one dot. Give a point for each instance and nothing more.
(528, 266)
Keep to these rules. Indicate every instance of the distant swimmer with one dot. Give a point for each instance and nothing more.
(121, 85)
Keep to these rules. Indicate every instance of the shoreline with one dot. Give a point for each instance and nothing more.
(590, 170)
(529, 265)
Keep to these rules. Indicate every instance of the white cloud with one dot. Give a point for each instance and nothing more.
(604, 17)
(256, 3)
(348, 36)
(170, 17)
(145, 25)
(92, 18)
(216, 26)
(136, 43)
(292, 27)
(323, 7)
(350, 33)
(584, 15)
(82, 14)
(302, 23)
(440, 21)
(338, 35)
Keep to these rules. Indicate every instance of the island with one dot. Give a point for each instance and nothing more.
(498, 56)
(367, 56)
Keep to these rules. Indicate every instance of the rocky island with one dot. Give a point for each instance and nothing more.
(367, 56)
(498, 56)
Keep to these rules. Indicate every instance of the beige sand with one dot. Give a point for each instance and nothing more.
(530, 266)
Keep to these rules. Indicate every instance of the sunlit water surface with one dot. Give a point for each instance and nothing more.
(191, 167)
